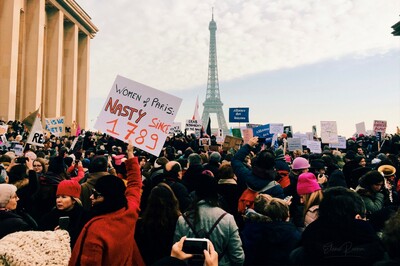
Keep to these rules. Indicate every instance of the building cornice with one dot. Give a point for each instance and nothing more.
(76, 14)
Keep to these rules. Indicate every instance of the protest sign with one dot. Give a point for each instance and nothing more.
(236, 132)
(3, 129)
(380, 126)
(288, 131)
(55, 125)
(276, 128)
(136, 112)
(314, 146)
(192, 125)
(360, 128)
(239, 114)
(247, 134)
(36, 136)
(231, 142)
(18, 149)
(175, 128)
(294, 144)
(329, 132)
(263, 132)
(340, 145)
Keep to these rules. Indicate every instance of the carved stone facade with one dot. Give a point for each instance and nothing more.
(44, 59)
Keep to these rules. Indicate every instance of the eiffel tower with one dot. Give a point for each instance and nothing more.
(213, 103)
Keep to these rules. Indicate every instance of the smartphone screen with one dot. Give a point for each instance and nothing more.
(194, 245)
(63, 222)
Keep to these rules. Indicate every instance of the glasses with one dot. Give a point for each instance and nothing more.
(37, 165)
(96, 194)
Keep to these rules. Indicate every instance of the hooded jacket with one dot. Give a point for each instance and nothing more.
(108, 239)
(256, 178)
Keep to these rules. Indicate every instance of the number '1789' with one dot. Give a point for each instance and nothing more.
(139, 139)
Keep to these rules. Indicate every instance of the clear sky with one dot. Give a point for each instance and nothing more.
(291, 62)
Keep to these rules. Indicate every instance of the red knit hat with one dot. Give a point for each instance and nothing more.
(307, 183)
(69, 188)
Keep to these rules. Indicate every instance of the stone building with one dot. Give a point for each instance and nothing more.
(44, 59)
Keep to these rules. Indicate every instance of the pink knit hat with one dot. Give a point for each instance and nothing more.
(307, 183)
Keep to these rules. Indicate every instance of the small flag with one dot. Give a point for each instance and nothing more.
(78, 131)
(30, 119)
(208, 130)
(196, 115)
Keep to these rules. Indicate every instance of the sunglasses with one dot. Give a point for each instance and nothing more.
(37, 165)
(96, 194)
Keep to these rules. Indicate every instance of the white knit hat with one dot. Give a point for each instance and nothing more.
(6, 192)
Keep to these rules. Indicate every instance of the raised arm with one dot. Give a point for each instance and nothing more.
(134, 177)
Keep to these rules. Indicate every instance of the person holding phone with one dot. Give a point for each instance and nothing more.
(68, 214)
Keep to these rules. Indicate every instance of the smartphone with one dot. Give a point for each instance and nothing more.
(63, 222)
(21, 160)
(261, 140)
(195, 245)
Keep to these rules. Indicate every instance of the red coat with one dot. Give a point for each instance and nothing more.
(109, 239)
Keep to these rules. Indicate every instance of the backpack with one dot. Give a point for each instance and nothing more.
(246, 200)
(202, 233)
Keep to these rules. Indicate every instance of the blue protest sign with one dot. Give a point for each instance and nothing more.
(239, 114)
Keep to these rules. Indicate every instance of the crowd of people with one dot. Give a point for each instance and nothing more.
(123, 206)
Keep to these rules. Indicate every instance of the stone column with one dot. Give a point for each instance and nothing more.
(31, 91)
(83, 80)
(54, 58)
(70, 72)
(9, 38)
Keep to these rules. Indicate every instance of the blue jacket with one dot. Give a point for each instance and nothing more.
(269, 243)
(246, 177)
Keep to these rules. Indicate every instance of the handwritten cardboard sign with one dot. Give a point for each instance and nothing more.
(136, 112)
(175, 128)
(231, 142)
(380, 126)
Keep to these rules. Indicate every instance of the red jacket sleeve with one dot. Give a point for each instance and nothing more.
(134, 184)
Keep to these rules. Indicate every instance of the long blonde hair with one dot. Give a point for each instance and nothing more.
(312, 199)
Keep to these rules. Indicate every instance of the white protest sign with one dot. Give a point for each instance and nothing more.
(175, 128)
(275, 128)
(55, 125)
(303, 138)
(36, 136)
(380, 126)
(192, 125)
(314, 146)
(340, 145)
(136, 112)
(18, 149)
(3, 129)
(329, 132)
(294, 144)
(360, 128)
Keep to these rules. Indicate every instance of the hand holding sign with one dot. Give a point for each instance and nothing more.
(138, 113)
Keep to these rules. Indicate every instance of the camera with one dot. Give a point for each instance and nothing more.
(195, 245)
(21, 160)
